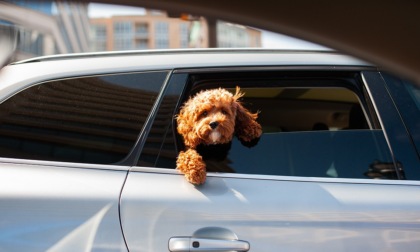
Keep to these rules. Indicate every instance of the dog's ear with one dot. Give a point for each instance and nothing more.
(247, 129)
(185, 125)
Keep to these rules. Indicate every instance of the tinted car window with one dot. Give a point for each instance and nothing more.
(313, 128)
(312, 132)
(286, 109)
(88, 120)
(406, 95)
(159, 148)
(343, 154)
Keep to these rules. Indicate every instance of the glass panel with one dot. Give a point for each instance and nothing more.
(338, 154)
(159, 148)
(406, 96)
(88, 120)
(285, 109)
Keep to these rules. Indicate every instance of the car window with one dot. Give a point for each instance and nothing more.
(87, 119)
(287, 109)
(312, 132)
(406, 96)
(343, 154)
(414, 92)
(159, 149)
(314, 128)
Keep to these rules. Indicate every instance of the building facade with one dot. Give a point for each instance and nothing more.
(47, 27)
(155, 30)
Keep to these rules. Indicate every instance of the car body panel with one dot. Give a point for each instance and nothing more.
(290, 213)
(59, 207)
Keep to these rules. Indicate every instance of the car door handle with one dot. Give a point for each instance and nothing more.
(186, 244)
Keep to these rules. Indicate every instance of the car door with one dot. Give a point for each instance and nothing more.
(64, 146)
(340, 187)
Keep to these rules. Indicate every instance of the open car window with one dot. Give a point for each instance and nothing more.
(313, 126)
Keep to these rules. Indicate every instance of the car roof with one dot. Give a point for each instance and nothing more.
(168, 59)
(25, 73)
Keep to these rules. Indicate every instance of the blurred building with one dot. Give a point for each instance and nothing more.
(47, 27)
(155, 30)
(233, 35)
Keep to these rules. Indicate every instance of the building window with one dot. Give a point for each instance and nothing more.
(142, 31)
(123, 36)
(183, 35)
(161, 35)
(100, 31)
(99, 35)
(141, 44)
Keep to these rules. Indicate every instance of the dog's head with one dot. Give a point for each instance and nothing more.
(214, 116)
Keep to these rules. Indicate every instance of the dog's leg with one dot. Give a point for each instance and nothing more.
(191, 164)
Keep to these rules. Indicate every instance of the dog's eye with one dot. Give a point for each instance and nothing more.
(204, 113)
(224, 112)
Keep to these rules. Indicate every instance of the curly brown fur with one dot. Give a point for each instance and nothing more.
(192, 165)
(212, 117)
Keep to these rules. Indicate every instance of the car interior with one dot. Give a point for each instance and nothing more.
(304, 101)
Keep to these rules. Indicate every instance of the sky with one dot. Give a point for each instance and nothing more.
(269, 39)
(280, 41)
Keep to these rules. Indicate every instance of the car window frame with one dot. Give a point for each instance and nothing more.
(371, 105)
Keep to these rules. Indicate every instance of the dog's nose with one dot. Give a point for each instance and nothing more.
(213, 125)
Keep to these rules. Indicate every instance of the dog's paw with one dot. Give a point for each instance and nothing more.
(191, 164)
(196, 177)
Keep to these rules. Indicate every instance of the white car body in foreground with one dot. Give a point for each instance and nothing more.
(67, 206)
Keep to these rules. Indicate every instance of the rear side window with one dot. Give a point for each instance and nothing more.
(291, 109)
(312, 132)
(86, 120)
(315, 124)
(316, 131)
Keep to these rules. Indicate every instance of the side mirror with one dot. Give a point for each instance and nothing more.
(8, 43)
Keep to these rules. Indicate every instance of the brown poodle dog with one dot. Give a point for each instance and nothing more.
(210, 119)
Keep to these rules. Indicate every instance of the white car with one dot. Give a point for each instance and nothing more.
(88, 144)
